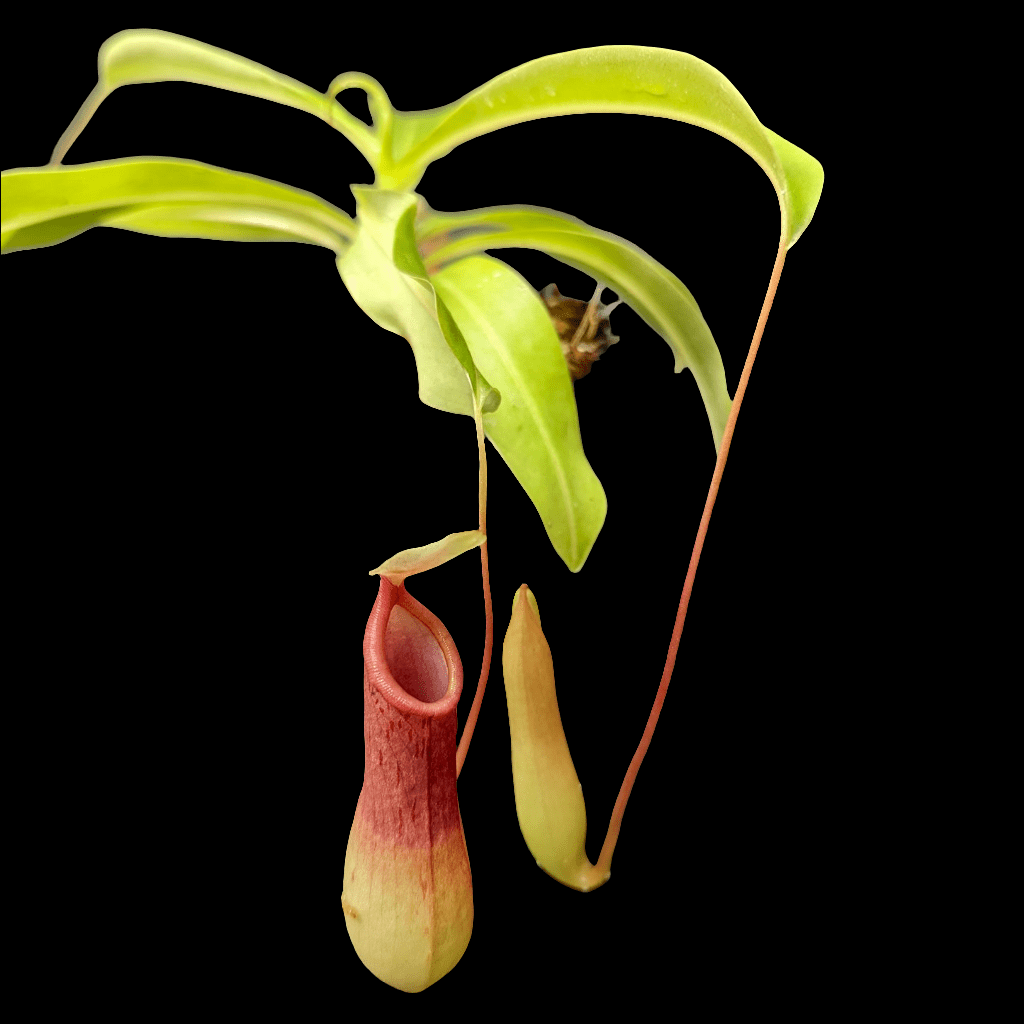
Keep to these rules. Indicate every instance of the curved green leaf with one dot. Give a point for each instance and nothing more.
(608, 79)
(403, 303)
(162, 196)
(536, 428)
(150, 55)
(661, 300)
(407, 259)
(805, 178)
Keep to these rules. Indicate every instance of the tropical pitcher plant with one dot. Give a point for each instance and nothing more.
(487, 346)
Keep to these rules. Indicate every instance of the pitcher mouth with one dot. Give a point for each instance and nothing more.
(409, 655)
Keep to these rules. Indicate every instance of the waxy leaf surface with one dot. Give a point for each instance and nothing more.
(652, 290)
(162, 196)
(406, 303)
(536, 428)
(407, 259)
(140, 55)
(620, 79)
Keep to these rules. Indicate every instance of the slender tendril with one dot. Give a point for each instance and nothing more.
(81, 119)
(373, 143)
(485, 667)
(605, 859)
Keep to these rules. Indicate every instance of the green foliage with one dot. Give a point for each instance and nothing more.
(481, 338)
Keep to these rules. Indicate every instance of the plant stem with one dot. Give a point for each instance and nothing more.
(79, 121)
(485, 667)
(605, 859)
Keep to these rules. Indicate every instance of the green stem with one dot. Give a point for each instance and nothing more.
(485, 667)
(79, 121)
(605, 859)
(375, 143)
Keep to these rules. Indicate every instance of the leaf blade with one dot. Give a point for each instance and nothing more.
(400, 303)
(622, 79)
(162, 196)
(140, 55)
(661, 300)
(407, 259)
(536, 427)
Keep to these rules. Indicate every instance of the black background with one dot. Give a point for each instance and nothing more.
(211, 445)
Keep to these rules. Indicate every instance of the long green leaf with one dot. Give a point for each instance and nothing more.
(163, 196)
(657, 295)
(608, 79)
(536, 428)
(150, 55)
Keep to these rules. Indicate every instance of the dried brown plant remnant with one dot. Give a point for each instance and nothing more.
(583, 328)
